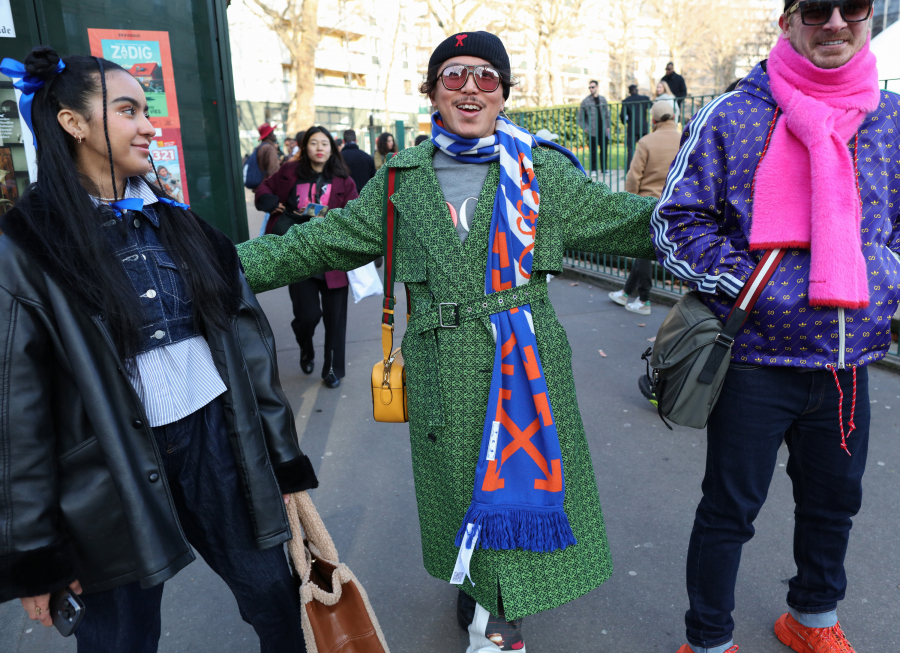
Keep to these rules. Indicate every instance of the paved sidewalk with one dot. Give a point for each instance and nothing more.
(649, 481)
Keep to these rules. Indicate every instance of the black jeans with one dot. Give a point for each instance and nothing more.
(598, 143)
(758, 409)
(212, 509)
(332, 311)
(640, 278)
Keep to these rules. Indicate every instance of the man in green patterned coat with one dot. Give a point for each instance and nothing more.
(441, 254)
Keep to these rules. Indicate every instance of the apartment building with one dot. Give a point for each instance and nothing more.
(365, 69)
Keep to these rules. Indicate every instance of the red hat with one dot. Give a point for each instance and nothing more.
(264, 130)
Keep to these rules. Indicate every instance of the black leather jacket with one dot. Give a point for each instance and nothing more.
(82, 490)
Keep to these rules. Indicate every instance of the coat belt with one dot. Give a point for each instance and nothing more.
(450, 315)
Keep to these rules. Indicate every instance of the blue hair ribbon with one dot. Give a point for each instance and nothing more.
(28, 84)
(171, 202)
(128, 204)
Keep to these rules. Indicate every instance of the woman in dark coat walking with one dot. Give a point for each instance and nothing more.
(142, 410)
(319, 176)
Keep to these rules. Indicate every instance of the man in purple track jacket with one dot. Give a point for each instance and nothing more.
(804, 156)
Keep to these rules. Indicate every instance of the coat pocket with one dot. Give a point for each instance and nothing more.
(93, 515)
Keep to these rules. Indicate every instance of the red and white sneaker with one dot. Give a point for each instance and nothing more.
(811, 640)
(687, 649)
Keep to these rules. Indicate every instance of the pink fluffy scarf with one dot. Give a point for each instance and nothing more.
(806, 192)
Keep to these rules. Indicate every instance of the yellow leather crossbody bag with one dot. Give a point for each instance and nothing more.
(389, 402)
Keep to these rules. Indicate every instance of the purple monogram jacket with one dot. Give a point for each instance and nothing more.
(701, 230)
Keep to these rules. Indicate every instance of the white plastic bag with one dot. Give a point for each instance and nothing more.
(364, 281)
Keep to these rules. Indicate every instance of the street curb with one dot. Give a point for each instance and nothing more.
(667, 299)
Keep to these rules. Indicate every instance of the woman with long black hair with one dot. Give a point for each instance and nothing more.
(319, 176)
(142, 412)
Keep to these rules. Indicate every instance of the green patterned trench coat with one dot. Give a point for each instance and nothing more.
(449, 370)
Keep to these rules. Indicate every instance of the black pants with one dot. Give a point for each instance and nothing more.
(332, 310)
(758, 409)
(598, 143)
(640, 278)
(630, 142)
(212, 509)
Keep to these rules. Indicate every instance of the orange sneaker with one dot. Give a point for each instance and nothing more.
(811, 640)
(687, 649)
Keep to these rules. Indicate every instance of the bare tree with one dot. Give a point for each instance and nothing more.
(627, 16)
(545, 25)
(386, 68)
(296, 24)
(680, 27)
(453, 16)
(739, 35)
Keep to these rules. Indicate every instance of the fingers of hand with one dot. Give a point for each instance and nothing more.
(38, 608)
(76, 587)
(287, 498)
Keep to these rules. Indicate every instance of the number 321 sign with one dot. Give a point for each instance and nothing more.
(147, 57)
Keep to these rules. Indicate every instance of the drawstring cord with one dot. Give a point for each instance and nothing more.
(851, 425)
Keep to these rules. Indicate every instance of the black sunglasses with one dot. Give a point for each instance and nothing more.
(455, 77)
(819, 12)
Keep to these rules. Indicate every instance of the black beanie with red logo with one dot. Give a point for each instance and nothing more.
(483, 45)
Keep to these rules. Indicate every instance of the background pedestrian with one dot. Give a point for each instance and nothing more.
(288, 150)
(663, 92)
(319, 176)
(594, 119)
(634, 117)
(674, 81)
(268, 156)
(384, 145)
(360, 163)
(646, 177)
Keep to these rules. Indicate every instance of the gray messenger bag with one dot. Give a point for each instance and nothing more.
(692, 351)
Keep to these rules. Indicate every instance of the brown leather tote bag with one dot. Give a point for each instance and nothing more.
(335, 610)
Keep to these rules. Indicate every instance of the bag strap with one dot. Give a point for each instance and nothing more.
(742, 307)
(389, 233)
(306, 523)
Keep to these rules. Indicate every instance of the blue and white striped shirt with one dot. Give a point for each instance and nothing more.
(174, 380)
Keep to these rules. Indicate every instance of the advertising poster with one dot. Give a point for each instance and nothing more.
(165, 149)
(147, 56)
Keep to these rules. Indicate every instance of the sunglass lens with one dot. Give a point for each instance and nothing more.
(856, 10)
(488, 79)
(815, 13)
(454, 77)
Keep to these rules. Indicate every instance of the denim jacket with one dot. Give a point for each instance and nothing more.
(165, 303)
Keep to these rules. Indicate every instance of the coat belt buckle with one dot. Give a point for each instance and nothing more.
(455, 323)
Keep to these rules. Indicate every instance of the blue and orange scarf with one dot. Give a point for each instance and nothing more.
(519, 484)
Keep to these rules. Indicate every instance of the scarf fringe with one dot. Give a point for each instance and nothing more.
(540, 530)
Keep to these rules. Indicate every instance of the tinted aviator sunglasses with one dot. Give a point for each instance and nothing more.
(455, 77)
(817, 12)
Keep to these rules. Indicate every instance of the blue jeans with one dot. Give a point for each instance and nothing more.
(208, 496)
(758, 409)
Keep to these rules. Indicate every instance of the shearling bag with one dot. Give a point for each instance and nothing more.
(335, 610)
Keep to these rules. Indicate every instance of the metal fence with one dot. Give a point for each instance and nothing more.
(604, 147)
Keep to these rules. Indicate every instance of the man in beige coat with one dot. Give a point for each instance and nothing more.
(654, 153)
